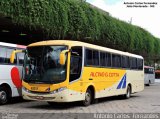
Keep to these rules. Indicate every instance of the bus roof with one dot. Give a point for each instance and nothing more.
(12, 45)
(78, 43)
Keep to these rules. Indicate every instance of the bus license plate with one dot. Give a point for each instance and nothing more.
(39, 97)
(34, 88)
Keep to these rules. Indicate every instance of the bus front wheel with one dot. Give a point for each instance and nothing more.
(88, 98)
(3, 96)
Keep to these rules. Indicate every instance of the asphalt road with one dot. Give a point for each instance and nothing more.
(147, 101)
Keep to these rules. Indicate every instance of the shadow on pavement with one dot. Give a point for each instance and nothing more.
(57, 106)
(17, 100)
(64, 106)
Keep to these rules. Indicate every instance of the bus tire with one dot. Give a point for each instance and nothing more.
(4, 96)
(128, 92)
(88, 97)
(148, 83)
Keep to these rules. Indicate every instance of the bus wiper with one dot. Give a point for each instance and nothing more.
(75, 53)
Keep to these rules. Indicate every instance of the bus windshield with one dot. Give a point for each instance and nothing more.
(149, 70)
(42, 65)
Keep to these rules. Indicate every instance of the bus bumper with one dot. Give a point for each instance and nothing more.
(63, 96)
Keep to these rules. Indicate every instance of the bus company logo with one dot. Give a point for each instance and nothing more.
(122, 83)
(15, 76)
(104, 74)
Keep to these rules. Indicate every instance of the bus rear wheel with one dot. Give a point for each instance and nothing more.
(3, 96)
(128, 92)
(88, 98)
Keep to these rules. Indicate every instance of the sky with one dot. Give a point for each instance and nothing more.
(147, 18)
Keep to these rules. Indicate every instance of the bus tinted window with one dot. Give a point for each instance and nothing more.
(105, 59)
(95, 58)
(125, 62)
(8, 54)
(108, 59)
(140, 64)
(149, 70)
(5, 54)
(20, 57)
(133, 63)
(116, 60)
(89, 57)
(92, 57)
(2, 54)
(102, 59)
(76, 63)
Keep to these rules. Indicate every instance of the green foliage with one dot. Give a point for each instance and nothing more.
(77, 20)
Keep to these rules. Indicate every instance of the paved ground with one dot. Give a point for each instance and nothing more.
(157, 80)
(147, 101)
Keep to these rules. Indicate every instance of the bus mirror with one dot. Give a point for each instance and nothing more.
(12, 57)
(63, 57)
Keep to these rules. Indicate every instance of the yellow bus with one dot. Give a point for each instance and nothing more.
(67, 71)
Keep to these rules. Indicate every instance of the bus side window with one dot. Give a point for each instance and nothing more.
(8, 54)
(2, 55)
(108, 59)
(75, 63)
(105, 59)
(95, 58)
(151, 70)
(133, 63)
(102, 59)
(146, 70)
(116, 61)
(140, 64)
(125, 62)
(20, 57)
(89, 57)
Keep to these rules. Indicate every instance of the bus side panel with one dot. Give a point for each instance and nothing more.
(146, 78)
(153, 78)
(104, 80)
(6, 77)
(109, 82)
(136, 79)
(149, 77)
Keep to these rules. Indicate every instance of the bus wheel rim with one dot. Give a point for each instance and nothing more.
(128, 92)
(3, 96)
(87, 97)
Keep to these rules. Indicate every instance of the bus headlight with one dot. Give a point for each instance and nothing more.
(58, 90)
(25, 89)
